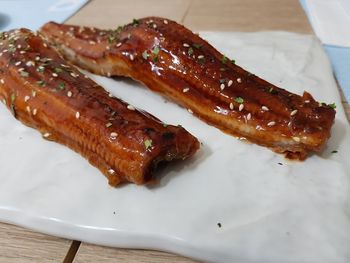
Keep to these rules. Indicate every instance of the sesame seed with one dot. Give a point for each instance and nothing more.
(85, 76)
(154, 25)
(33, 93)
(231, 106)
(241, 106)
(264, 108)
(108, 48)
(2, 81)
(46, 135)
(108, 74)
(190, 111)
(74, 75)
(111, 171)
(37, 58)
(22, 52)
(35, 111)
(297, 139)
(293, 112)
(18, 63)
(222, 86)
(119, 44)
(20, 69)
(110, 95)
(165, 21)
(239, 80)
(307, 101)
(200, 56)
(77, 115)
(130, 107)
(108, 124)
(186, 45)
(45, 45)
(69, 94)
(271, 123)
(28, 109)
(230, 82)
(26, 98)
(185, 89)
(113, 135)
(19, 46)
(30, 63)
(131, 57)
(92, 42)
(249, 116)
(54, 75)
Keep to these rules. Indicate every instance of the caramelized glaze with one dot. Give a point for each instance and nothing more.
(46, 93)
(171, 60)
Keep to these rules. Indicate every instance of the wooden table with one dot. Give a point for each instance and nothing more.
(21, 245)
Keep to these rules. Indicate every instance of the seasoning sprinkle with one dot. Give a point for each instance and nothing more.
(28, 109)
(130, 107)
(293, 112)
(24, 73)
(131, 57)
(271, 123)
(30, 63)
(18, 63)
(332, 105)
(186, 45)
(185, 90)
(230, 82)
(148, 144)
(231, 106)
(145, 55)
(77, 115)
(108, 124)
(33, 93)
(61, 86)
(69, 94)
(2, 81)
(297, 139)
(190, 111)
(113, 135)
(35, 111)
(119, 44)
(165, 21)
(239, 80)
(249, 116)
(111, 171)
(239, 100)
(241, 106)
(46, 135)
(26, 98)
(54, 75)
(200, 57)
(264, 108)
(74, 75)
(222, 86)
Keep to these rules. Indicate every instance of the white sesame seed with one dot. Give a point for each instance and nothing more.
(33, 93)
(37, 58)
(131, 57)
(307, 101)
(239, 80)
(200, 56)
(46, 134)
(293, 112)
(271, 123)
(0, 54)
(2, 81)
(20, 69)
(222, 86)
(108, 48)
(186, 45)
(111, 171)
(231, 106)
(92, 42)
(85, 76)
(19, 46)
(54, 75)
(73, 75)
(165, 21)
(22, 52)
(110, 95)
(249, 116)
(77, 115)
(5, 50)
(264, 108)
(26, 98)
(119, 44)
(130, 107)
(45, 45)
(69, 94)
(297, 139)
(18, 63)
(154, 25)
(230, 82)
(35, 111)
(185, 89)
(108, 124)
(190, 111)
(241, 106)
(28, 109)
(30, 63)
(113, 135)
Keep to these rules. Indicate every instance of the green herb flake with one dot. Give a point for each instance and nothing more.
(61, 86)
(2, 36)
(201, 60)
(111, 38)
(190, 51)
(148, 144)
(135, 22)
(40, 69)
(24, 73)
(155, 50)
(239, 100)
(12, 49)
(332, 105)
(233, 61)
(58, 70)
(165, 125)
(222, 81)
(224, 59)
(145, 55)
(197, 46)
(41, 83)
(335, 151)
(13, 97)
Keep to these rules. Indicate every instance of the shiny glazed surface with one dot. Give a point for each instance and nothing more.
(170, 59)
(46, 93)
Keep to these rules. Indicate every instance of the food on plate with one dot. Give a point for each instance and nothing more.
(173, 61)
(46, 93)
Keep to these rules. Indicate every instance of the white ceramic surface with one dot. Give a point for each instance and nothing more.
(295, 212)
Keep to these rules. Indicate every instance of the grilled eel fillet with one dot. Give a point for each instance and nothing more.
(171, 60)
(45, 93)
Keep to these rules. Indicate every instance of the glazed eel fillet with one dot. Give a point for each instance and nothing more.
(46, 93)
(173, 61)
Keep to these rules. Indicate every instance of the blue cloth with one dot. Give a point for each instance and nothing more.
(33, 14)
(340, 60)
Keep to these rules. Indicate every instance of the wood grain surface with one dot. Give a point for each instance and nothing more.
(20, 245)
